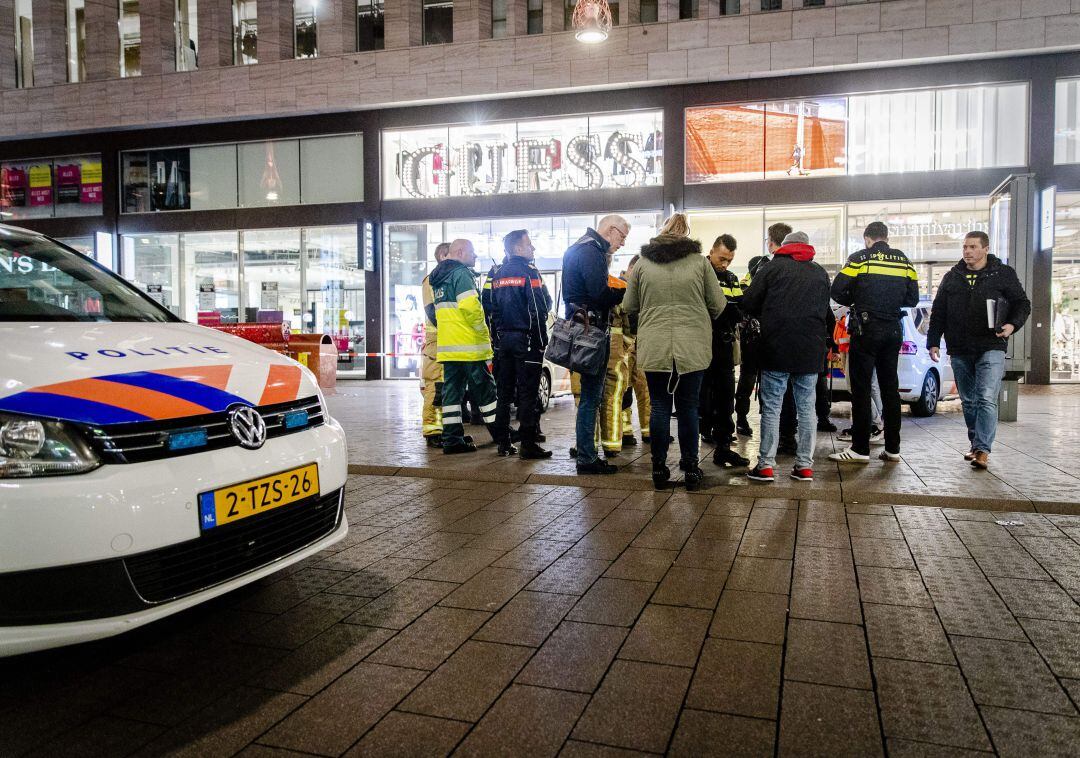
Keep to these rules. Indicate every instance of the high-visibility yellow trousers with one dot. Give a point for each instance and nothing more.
(431, 379)
(618, 376)
(641, 394)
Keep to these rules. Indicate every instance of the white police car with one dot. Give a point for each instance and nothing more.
(146, 464)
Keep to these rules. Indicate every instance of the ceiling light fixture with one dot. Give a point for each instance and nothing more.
(591, 21)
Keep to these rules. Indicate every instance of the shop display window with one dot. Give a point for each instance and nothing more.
(1065, 290)
(1067, 121)
(332, 169)
(211, 265)
(271, 277)
(334, 296)
(269, 173)
(545, 155)
(152, 263)
(51, 187)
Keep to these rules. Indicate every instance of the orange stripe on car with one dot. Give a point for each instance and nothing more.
(212, 376)
(147, 402)
(282, 385)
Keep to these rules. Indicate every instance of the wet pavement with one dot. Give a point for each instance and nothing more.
(480, 618)
(1033, 466)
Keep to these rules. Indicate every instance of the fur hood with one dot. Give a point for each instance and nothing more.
(669, 248)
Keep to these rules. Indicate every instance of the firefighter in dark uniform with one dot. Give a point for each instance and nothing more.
(876, 283)
(718, 389)
(519, 312)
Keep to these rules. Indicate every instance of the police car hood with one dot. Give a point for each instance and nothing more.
(112, 373)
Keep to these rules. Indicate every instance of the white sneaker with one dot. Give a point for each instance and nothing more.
(847, 455)
(877, 436)
(890, 457)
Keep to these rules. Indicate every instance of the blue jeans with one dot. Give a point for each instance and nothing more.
(773, 386)
(592, 393)
(978, 379)
(686, 391)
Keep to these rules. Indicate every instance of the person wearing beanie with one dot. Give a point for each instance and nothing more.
(675, 294)
(790, 298)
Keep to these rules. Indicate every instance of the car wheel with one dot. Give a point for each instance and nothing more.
(545, 390)
(926, 405)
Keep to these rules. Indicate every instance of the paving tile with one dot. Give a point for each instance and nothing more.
(460, 565)
(824, 534)
(879, 527)
(1009, 674)
(579, 749)
(602, 545)
(983, 533)
(301, 623)
(742, 678)
(642, 564)
(698, 588)
(434, 546)
(725, 528)
(715, 555)
(1015, 562)
(574, 657)
(912, 634)
(825, 653)
(965, 601)
(636, 706)
(706, 733)
(667, 634)
(767, 543)
(101, 736)
(570, 576)
(613, 601)
(824, 586)
(665, 535)
(870, 551)
(921, 517)
(525, 721)
(892, 587)
(533, 555)
(782, 519)
(468, 682)
(1057, 642)
(335, 718)
(725, 505)
(751, 617)
(1035, 599)
(935, 542)
(760, 575)
(928, 703)
(402, 605)
(409, 735)
(1024, 733)
(378, 577)
(823, 512)
(430, 640)
(527, 619)
(829, 721)
(489, 590)
(309, 668)
(898, 748)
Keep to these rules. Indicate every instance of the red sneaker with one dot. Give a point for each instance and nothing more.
(802, 474)
(760, 474)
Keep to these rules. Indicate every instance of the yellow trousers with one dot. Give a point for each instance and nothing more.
(641, 395)
(618, 376)
(431, 378)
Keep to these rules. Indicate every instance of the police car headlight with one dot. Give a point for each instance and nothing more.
(36, 447)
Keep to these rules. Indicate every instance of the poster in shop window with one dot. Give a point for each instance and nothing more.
(14, 187)
(67, 183)
(269, 300)
(91, 183)
(156, 293)
(207, 296)
(41, 184)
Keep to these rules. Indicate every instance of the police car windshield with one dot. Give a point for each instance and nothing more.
(42, 281)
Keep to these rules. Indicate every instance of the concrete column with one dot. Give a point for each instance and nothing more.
(50, 43)
(403, 24)
(629, 11)
(7, 44)
(472, 20)
(157, 54)
(102, 40)
(517, 17)
(275, 30)
(329, 27)
(215, 33)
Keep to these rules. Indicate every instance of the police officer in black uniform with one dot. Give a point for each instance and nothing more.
(876, 283)
(519, 312)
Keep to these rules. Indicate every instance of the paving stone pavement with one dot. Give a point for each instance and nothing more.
(1033, 467)
(480, 618)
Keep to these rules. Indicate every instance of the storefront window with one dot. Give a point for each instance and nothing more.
(438, 22)
(269, 173)
(535, 19)
(332, 169)
(334, 300)
(84, 245)
(272, 277)
(211, 277)
(1067, 121)
(498, 19)
(370, 25)
(130, 39)
(305, 24)
(212, 177)
(1065, 290)
(245, 32)
(545, 155)
(76, 40)
(187, 35)
(152, 263)
(24, 43)
(51, 187)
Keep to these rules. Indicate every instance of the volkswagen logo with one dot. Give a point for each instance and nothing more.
(247, 426)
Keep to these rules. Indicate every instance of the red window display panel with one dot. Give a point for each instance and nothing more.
(725, 143)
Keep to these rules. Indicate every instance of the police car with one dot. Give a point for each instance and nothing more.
(146, 464)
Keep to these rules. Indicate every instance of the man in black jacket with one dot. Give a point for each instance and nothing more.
(519, 311)
(585, 286)
(877, 283)
(979, 305)
(718, 389)
(790, 297)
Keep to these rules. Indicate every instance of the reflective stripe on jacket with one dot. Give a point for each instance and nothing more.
(879, 280)
(462, 330)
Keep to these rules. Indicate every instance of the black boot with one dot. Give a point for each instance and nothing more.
(530, 451)
(742, 426)
(597, 467)
(434, 440)
(693, 478)
(573, 452)
(724, 458)
(506, 450)
(628, 440)
(461, 447)
(661, 475)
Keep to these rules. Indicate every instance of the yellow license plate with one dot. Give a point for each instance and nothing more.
(247, 499)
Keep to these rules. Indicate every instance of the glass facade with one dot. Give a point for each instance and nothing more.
(76, 40)
(186, 27)
(305, 28)
(1067, 121)
(24, 43)
(245, 14)
(130, 38)
(370, 25)
(306, 277)
(438, 18)
(247, 175)
(51, 187)
(543, 155)
(922, 130)
(1065, 290)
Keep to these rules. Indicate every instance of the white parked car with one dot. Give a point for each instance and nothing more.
(922, 381)
(146, 464)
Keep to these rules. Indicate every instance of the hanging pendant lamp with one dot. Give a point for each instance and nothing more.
(591, 21)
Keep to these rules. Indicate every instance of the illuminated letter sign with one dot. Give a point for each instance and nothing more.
(534, 162)
(618, 149)
(412, 166)
(582, 152)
